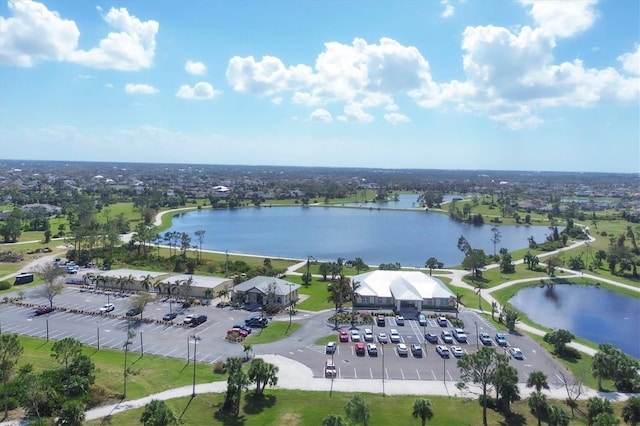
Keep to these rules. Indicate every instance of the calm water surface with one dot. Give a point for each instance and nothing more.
(327, 233)
(589, 312)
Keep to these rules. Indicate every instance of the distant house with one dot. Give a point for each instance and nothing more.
(263, 290)
(401, 290)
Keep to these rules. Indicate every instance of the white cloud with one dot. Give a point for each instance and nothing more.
(354, 113)
(277, 100)
(195, 68)
(267, 76)
(449, 10)
(562, 18)
(140, 89)
(631, 61)
(321, 115)
(396, 118)
(202, 90)
(35, 33)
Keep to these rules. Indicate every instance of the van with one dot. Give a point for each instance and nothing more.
(330, 369)
(23, 278)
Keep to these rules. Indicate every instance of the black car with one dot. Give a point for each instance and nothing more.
(431, 337)
(256, 322)
(133, 312)
(197, 320)
(170, 316)
(42, 310)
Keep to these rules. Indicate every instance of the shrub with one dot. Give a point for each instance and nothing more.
(219, 368)
(4, 285)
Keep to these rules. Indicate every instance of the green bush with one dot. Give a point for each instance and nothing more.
(5, 285)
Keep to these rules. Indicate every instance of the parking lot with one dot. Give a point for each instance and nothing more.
(109, 331)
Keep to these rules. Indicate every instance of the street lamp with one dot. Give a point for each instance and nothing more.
(290, 304)
(195, 339)
(382, 350)
(477, 336)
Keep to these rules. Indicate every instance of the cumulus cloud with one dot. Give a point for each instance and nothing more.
(140, 89)
(354, 113)
(267, 76)
(321, 115)
(631, 61)
(195, 68)
(562, 18)
(34, 33)
(202, 90)
(396, 118)
(448, 9)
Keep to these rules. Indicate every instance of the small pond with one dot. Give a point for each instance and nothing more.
(589, 312)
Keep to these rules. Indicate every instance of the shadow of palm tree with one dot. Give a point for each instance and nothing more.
(255, 403)
(228, 419)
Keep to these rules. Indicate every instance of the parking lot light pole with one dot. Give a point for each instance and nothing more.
(477, 336)
(382, 350)
(196, 339)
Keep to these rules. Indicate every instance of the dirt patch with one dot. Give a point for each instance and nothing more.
(290, 419)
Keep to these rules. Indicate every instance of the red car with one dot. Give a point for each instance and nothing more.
(344, 335)
(238, 331)
(360, 349)
(44, 310)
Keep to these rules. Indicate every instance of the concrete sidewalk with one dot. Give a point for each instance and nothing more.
(295, 375)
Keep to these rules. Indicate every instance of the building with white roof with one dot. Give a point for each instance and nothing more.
(401, 290)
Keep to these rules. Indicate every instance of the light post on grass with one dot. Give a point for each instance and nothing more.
(195, 339)
(382, 350)
(477, 336)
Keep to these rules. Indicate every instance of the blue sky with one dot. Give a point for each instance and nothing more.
(517, 85)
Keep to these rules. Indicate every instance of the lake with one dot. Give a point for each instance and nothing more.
(327, 233)
(589, 312)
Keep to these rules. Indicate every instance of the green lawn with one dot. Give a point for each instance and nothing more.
(317, 292)
(276, 330)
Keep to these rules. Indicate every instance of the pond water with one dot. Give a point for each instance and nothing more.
(327, 233)
(589, 312)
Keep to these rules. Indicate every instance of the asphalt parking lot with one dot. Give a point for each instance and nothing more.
(177, 341)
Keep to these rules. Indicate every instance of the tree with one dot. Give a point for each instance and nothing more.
(334, 420)
(553, 263)
(433, 263)
(157, 413)
(559, 339)
(606, 419)
(422, 410)
(10, 351)
(236, 383)
(538, 380)
(51, 274)
(357, 410)
(72, 413)
(140, 302)
(263, 374)
(65, 351)
(479, 286)
(538, 405)
(358, 264)
(495, 239)
(478, 368)
(200, 234)
(631, 411)
(475, 260)
(510, 318)
(597, 406)
(556, 416)
(505, 381)
(10, 229)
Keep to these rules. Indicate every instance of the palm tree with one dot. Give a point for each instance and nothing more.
(246, 348)
(157, 413)
(538, 405)
(600, 367)
(479, 286)
(422, 409)
(146, 281)
(537, 379)
(556, 416)
(263, 374)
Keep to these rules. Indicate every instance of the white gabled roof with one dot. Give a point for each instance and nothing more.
(401, 285)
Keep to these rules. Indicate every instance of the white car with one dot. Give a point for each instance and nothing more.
(402, 349)
(368, 335)
(443, 351)
(394, 336)
(188, 319)
(399, 320)
(330, 348)
(372, 349)
(108, 307)
(382, 338)
(460, 335)
(516, 353)
(457, 351)
(355, 335)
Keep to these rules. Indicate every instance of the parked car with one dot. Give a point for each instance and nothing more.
(372, 349)
(501, 339)
(107, 307)
(246, 328)
(134, 311)
(460, 335)
(431, 337)
(394, 336)
(330, 369)
(368, 335)
(422, 319)
(382, 338)
(416, 350)
(187, 320)
(41, 310)
(360, 349)
(446, 336)
(197, 320)
(443, 351)
(442, 322)
(516, 353)
(485, 339)
(399, 320)
(237, 331)
(380, 320)
(355, 335)
(457, 351)
(170, 316)
(402, 349)
(330, 348)
(257, 322)
(343, 335)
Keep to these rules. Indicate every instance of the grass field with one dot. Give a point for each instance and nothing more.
(276, 330)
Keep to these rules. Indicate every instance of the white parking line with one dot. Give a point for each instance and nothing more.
(355, 373)
(371, 372)
(402, 372)
(448, 374)
(434, 375)
(418, 373)
(172, 351)
(339, 372)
